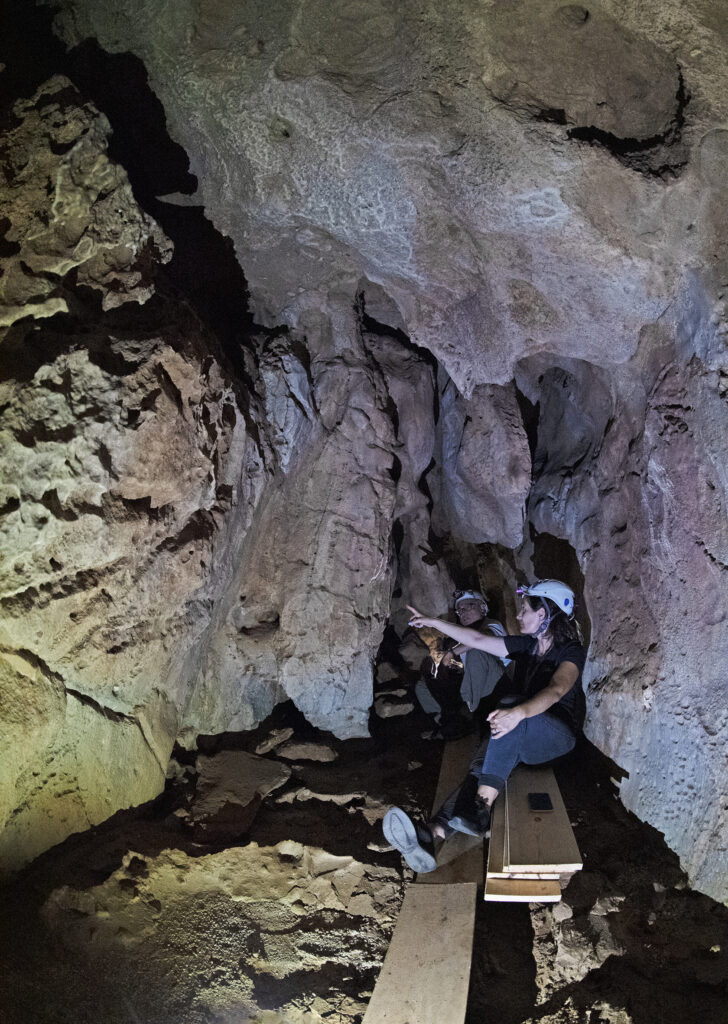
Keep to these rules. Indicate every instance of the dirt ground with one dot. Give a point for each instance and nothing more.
(631, 942)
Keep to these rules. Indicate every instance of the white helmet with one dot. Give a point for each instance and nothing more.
(469, 595)
(561, 595)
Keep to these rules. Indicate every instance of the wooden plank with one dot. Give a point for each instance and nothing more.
(538, 842)
(460, 858)
(456, 758)
(496, 847)
(522, 890)
(425, 975)
(530, 874)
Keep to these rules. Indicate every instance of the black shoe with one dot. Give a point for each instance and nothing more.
(413, 840)
(477, 824)
(454, 729)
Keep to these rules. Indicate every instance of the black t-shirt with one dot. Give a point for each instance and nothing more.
(532, 673)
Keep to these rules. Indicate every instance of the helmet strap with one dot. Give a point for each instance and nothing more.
(543, 628)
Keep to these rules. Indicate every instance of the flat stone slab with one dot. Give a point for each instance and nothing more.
(235, 777)
(294, 751)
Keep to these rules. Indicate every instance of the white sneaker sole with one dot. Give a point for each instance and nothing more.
(400, 831)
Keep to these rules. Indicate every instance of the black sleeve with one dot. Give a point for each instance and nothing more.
(573, 652)
(518, 644)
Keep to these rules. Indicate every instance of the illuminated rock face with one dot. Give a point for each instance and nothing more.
(185, 543)
(533, 194)
(275, 918)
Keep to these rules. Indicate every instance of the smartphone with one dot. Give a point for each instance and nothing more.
(540, 802)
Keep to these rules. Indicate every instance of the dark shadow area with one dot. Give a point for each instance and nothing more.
(529, 415)
(556, 559)
(660, 156)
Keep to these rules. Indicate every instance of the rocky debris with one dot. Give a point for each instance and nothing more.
(600, 1012)
(278, 922)
(374, 808)
(299, 750)
(69, 214)
(230, 788)
(304, 793)
(167, 931)
(235, 776)
(389, 708)
(414, 650)
(386, 673)
(565, 952)
(276, 739)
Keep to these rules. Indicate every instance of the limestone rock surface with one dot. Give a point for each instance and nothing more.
(68, 209)
(234, 779)
(121, 444)
(499, 174)
(271, 916)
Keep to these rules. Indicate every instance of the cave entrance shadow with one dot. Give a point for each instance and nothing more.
(204, 267)
(554, 558)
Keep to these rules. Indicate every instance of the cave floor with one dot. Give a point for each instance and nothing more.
(146, 923)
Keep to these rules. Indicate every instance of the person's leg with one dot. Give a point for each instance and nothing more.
(481, 675)
(413, 839)
(439, 822)
(427, 700)
(439, 697)
(534, 740)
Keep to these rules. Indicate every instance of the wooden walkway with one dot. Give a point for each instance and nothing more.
(532, 854)
(426, 972)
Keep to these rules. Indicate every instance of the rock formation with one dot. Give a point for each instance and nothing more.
(307, 912)
(486, 253)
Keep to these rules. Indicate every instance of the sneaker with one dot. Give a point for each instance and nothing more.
(413, 840)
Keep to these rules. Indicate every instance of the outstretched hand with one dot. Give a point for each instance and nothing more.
(417, 619)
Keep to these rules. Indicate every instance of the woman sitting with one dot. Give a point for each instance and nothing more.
(545, 722)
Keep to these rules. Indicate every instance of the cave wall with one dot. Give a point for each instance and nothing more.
(433, 205)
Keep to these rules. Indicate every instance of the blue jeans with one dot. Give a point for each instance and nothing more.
(533, 741)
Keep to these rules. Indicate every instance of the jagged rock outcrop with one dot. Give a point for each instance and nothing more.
(69, 217)
(629, 468)
(188, 541)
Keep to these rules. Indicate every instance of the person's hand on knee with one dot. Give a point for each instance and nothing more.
(504, 720)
